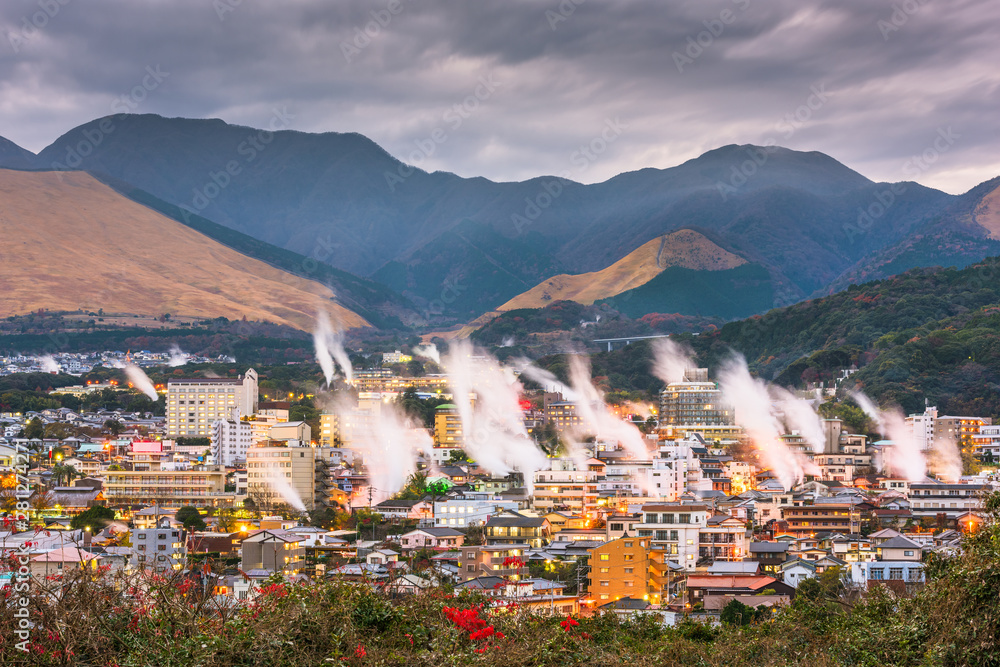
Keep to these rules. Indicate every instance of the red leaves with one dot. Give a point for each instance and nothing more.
(479, 630)
(465, 619)
(569, 623)
(513, 561)
(274, 590)
(360, 651)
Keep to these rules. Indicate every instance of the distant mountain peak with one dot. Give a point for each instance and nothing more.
(15, 157)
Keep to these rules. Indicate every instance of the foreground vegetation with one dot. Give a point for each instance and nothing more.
(86, 620)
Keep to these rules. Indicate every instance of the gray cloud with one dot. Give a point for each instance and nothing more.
(887, 87)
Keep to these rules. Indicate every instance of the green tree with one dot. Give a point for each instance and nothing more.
(190, 518)
(737, 613)
(34, 429)
(95, 518)
(114, 427)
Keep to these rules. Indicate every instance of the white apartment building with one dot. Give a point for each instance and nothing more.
(159, 548)
(677, 470)
(676, 529)
(566, 487)
(922, 427)
(194, 405)
(472, 509)
(230, 441)
(950, 499)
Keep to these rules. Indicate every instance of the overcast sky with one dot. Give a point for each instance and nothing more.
(872, 82)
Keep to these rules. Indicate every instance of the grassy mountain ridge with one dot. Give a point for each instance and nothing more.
(117, 255)
(382, 218)
(373, 301)
(684, 248)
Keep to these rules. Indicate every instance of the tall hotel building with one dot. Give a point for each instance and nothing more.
(194, 405)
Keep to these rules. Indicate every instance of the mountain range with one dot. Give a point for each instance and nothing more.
(429, 249)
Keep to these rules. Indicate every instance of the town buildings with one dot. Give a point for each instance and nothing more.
(194, 405)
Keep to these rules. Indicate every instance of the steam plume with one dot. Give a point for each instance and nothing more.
(141, 381)
(329, 343)
(492, 425)
(389, 443)
(594, 413)
(428, 351)
(750, 399)
(800, 416)
(904, 458)
(178, 357)
(671, 359)
(49, 365)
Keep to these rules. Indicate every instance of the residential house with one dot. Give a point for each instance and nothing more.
(439, 539)
(511, 528)
(401, 510)
(57, 562)
(702, 586)
(796, 570)
(770, 555)
(899, 549)
(277, 551)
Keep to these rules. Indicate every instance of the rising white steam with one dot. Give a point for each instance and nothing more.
(904, 457)
(329, 343)
(428, 351)
(597, 418)
(178, 357)
(750, 398)
(486, 396)
(389, 442)
(671, 359)
(547, 380)
(799, 415)
(141, 381)
(945, 460)
(48, 364)
(280, 485)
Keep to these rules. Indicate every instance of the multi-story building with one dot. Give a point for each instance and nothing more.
(960, 430)
(161, 547)
(676, 529)
(193, 405)
(806, 520)
(620, 569)
(987, 442)
(922, 427)
(694, 401)
(396, 357)
(930, 427)
(723, 538)
(495, 560)
(277, 551)
(230, 441)
(564, 487)
(677, 470)
(563, 415)
(952, 500)
(471, 509)
(282, 473)
(511, 528)
(204, 486)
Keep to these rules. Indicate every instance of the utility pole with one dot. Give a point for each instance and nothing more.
(371, 515)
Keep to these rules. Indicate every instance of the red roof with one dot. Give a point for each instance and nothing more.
(752, 582)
